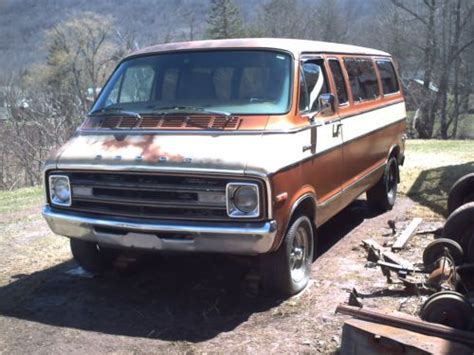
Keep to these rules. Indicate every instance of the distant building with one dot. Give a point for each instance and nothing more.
(415, 92)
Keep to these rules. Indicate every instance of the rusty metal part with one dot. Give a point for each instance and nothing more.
(448, 308)
(444, 275)
(392, 225)
(368, 338)
(354, 299)
(398, 268)
(412, 324)
(380, 254)
(442, 247)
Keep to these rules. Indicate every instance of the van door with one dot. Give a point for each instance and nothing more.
(364, 146)
(325, 168)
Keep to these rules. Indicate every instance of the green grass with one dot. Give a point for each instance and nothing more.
(11, 201)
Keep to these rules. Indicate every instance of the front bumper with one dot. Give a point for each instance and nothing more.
(242, 238)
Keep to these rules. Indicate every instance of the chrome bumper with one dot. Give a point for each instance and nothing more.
(247, 239)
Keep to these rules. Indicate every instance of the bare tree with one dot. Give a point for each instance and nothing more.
(81, 52)
(425, 13)
(457, 15)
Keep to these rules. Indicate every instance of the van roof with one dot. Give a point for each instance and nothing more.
(295, 46)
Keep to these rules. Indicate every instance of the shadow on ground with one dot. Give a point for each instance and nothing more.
(191, 298)
(431, 187)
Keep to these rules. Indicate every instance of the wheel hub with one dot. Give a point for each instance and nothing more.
(299, 255)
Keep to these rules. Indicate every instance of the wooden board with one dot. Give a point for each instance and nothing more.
(403, 238)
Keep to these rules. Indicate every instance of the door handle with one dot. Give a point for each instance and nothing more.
(337, 127)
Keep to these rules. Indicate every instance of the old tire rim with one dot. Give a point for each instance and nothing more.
(299, 254)
(448, 308)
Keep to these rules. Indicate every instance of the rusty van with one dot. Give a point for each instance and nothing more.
(240, 146)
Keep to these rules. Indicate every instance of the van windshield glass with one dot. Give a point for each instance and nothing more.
(231, 81)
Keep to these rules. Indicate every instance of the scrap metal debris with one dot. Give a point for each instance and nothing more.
(369, 337)
(409, 323)
(439, 276)
(354, 299)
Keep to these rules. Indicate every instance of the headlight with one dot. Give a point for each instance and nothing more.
(60, 190)
(242, 200)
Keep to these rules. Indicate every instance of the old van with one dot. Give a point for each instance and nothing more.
(242, 146)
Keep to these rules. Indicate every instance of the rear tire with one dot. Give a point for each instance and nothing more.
(381, 197)
(287, 270)
(461, 192)
(91, 257)
(460, 227)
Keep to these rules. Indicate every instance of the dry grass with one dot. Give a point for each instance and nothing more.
(11, 201)
(430, 169)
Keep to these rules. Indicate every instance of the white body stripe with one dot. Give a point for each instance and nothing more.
(266, 153)
(359, 125)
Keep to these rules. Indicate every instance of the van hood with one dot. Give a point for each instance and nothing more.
(221, 153)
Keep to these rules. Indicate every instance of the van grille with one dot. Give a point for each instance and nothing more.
(160, 122)
(143, 195)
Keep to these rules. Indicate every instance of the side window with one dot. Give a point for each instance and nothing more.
(338, 81)
(388, 76)
(312, 85)
(136, 84)
(362, 78)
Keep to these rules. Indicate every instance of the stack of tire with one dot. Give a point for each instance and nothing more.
(451, 306)
(460, 223)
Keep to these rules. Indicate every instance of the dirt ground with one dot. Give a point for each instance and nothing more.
(188, 303)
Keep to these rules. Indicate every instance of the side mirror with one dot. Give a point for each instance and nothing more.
(326, 104)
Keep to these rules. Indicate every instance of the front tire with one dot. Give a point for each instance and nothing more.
(91, 257)
(382, 196)
(287, 270)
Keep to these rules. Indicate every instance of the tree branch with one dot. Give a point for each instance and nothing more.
(410, 11)
(461, 49)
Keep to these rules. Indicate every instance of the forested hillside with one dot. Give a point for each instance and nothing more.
(23, 22)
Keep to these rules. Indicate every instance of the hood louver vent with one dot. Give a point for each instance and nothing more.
(169, 122)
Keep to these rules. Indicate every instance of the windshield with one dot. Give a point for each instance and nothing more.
(236, 82)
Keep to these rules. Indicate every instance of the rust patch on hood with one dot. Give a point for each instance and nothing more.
(150, 150)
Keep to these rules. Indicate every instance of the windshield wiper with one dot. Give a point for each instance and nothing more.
(169, 110)
(114, 111)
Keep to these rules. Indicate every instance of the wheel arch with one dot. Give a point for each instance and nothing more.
(394, 152)
(304, 205)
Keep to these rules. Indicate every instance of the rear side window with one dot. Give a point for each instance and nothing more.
(363, 79)
(388, 76)
(338, 81)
